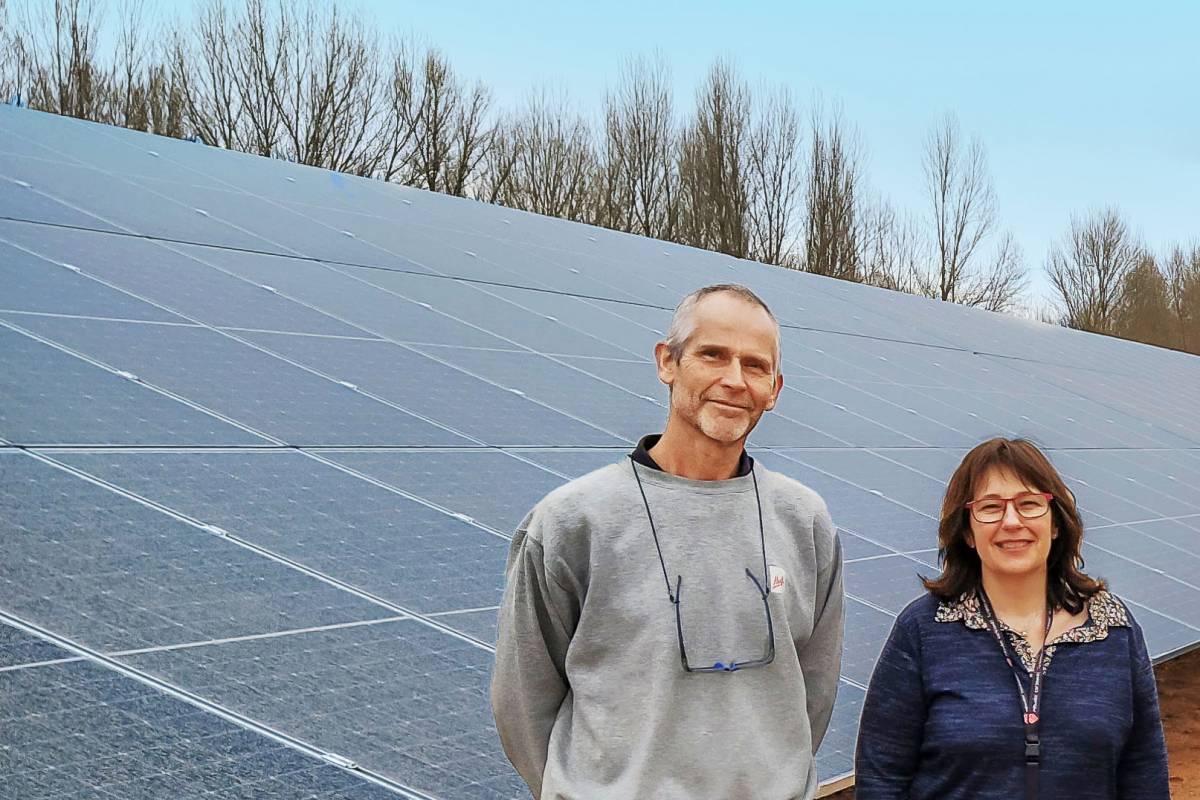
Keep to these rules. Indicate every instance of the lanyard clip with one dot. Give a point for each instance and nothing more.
(1033, 751)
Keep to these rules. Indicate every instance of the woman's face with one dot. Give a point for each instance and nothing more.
(1012, 546)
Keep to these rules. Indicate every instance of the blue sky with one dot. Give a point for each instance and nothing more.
(1078, 104)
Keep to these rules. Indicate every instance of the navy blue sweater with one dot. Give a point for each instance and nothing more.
(942, 718)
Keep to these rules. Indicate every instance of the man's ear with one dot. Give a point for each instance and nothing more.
(666, 363)
(775, 393)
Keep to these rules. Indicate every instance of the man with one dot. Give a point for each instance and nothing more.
(672, 623)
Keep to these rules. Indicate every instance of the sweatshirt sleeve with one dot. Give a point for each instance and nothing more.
(893, 720)
(536, 621)
(821, 654)
(1142, 772)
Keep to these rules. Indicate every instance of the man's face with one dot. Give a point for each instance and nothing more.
(725, 378)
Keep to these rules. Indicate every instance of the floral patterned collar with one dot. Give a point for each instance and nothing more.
(1104, 611)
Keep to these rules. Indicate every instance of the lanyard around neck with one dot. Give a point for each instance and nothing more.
(762, 535)
(1031, 701)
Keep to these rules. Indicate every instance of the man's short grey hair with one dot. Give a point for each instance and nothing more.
(683, 324)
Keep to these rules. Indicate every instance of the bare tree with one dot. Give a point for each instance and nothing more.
(1088, 269)
(13, 66)
(638, 183)
(499, 163)
(832, 215)
(893, 249)
(1183, 283)
(305, 83)
(397, 144)
(551, 157)
(713, 197)
(773, 173)
(1144, 311)
(328, 91)
(205, 59)
(59, 44)
(964, 216)
(128, 85)
(164, 102)
(451, 130)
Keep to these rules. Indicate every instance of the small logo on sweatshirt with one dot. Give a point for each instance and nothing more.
(777, 577)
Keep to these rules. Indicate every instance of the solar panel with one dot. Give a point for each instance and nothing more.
(74, 728)
(265, 432)
(167, 277)
(383, 542)
(406, 700)
(117, 575)
(54, 397)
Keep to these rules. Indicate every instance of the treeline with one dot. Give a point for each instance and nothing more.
(739, 169)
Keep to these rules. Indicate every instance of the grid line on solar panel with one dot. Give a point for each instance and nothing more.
(613, 409)
(918, 541)
(395, 489)
(27, 201)
(33, 283)
(166, 276)
(100, 564)
(500, 315)
(408, 346)
(403, 700)
(167, 393)
(493, 487)
(249, 343)
(1098, 385)
(219, 373)
(522, 347)
(300, 302)
(474, 408)
(270, 520)
(610, 382)
(90, 399)
(1098, 469)
(116, 698)
(9, 653)
(280, 208)
(118, 204)
(640, 378)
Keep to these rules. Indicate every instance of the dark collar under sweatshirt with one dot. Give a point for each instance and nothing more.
(641, 454)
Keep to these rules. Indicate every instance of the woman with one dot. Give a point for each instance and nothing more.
(1017, 675)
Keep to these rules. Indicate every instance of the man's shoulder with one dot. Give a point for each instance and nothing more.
(791, 494)
(577, 500)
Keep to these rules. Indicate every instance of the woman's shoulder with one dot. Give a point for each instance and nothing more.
(1107, 617)
(1106, 609)
(930, 615)
(920, 612)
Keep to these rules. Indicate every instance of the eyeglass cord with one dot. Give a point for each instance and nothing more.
(762, 536)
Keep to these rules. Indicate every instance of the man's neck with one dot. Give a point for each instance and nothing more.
(697, 458)
(1019, 596)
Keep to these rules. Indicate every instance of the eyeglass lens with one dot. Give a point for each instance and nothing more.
(1029, 506)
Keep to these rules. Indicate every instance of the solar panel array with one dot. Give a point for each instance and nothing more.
(265, 432)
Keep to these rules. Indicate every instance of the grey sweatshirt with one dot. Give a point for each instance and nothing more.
(589, 696)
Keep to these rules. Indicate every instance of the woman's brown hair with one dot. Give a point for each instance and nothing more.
(1067, 586)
